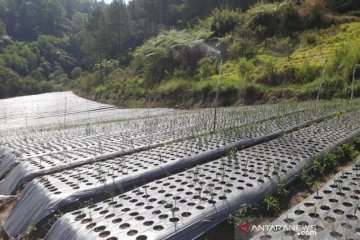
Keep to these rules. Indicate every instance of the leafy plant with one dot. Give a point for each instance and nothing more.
(282, 187)
(31, 230)
(271, 203)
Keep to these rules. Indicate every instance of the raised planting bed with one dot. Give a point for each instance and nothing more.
(46, 141)
(43, 141)
(40, 141)
(32, 110)
(228, 115)
(119, 145)
(333, 212)
(103, 148)
(60, 108)
(71, 128)
(32, 142)
(48, 148)
(60, 189)
(185, 205)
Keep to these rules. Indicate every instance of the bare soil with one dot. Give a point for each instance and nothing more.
(5, 208)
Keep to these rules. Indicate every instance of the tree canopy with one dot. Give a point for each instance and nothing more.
(160, 44)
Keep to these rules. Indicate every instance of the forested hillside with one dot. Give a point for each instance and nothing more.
(167, 50)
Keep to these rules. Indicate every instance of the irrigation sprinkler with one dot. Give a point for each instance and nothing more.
(353, 80)
(321, 82)
(209, 49)
(217, 93)
(148, 106)
(88, 111)
(26, 120)
(65, 110)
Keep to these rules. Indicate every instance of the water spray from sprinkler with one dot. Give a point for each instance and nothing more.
(353, 80)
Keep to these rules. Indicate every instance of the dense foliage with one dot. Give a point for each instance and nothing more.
(167, 49)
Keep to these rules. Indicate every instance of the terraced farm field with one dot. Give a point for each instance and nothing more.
(84, 170)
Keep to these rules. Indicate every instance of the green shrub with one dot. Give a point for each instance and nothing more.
(269, 68)
(306, 73)
(272, 204)
(274, 19)
(306, 179)
(2, 29)
(252, 92)
(341, 63)
(356, 88)
(16, 62)
(224, 21)
(356, 143)
(345, 153)
(279, 46)
(160, 56)
(243, 47)
(9, 83)
(310, 39)
(333, 87)
(76, 73)
(87, 83)
(245, 66)
(208, 66)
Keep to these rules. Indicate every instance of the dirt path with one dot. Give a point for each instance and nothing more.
(5, 208)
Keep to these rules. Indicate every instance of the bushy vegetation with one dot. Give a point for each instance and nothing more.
(166, 50)
(271, 51)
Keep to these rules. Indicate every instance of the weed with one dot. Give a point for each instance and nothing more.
(272, 204)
